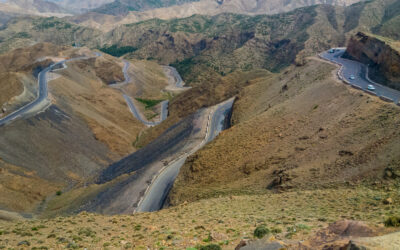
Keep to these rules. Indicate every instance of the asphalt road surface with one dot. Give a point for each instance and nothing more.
(40, 99)
(177, 76)
(131, 105)
(157, 193)
(359, 71)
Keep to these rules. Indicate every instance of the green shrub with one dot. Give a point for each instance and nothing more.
(261, 231)
(208, 239)
(392, 221)
(116, 51)
(58, 193)
(86, 232)
(211, 247)
(148, 102)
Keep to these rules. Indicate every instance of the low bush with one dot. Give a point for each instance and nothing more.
(392, 221)
(261, 231)
(211, 247)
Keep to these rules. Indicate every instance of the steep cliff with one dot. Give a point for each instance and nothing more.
(382, 54)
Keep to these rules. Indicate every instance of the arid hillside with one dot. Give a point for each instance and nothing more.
(87, 126)
(225, 222)
(301, 129)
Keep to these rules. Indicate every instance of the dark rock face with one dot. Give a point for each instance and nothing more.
(382, 57)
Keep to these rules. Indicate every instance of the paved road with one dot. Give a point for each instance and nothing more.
(157, 192)
(41, 99)
(131, 105)
(178, 79)
(359, 70)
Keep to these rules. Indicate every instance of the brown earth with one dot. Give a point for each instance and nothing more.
(10, 86)
(300, 129)
(103, 108)
(107, 68)
(21, 190)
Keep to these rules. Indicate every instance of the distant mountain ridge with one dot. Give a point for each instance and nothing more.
(33, 7)
(79, 6)
(120, 12)
(123, 7)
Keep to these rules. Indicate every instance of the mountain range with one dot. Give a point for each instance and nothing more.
(232, 120)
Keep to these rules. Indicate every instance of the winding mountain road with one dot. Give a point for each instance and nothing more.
(134, 110)
(176, 76)
(361, 80)
(157, 192)
(41, 102)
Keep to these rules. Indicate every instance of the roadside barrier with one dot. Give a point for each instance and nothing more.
(370, 92)
(386, 99)
(357, 87)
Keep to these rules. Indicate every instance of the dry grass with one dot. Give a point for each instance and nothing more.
(299, 129)
(227, 220)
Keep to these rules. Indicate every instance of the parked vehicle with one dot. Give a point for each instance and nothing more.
(332, 51)
(352, 77)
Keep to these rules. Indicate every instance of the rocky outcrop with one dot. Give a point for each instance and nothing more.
(382, 56)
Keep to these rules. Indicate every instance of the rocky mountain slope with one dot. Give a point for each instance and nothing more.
(78, 6)
(382, 54)
(25, 31)
(122, 7)
(203, 7)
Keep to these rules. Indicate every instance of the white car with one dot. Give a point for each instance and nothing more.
(371, 87)
(352, 77)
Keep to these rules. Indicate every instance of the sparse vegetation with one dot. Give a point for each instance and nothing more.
(51, 22)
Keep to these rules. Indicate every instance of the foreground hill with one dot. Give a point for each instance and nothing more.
(225, 222)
